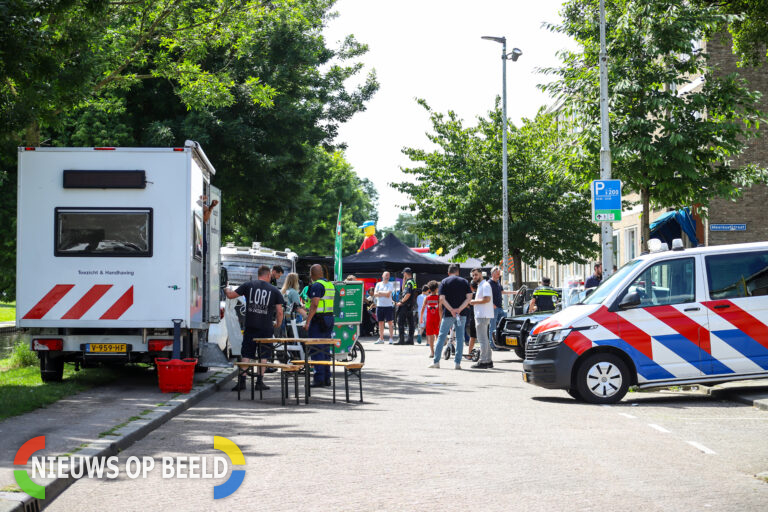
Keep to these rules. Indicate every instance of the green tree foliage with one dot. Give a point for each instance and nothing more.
(675, 146)
(456, 191)
(405, 228)
(255, 83)
(747, 21)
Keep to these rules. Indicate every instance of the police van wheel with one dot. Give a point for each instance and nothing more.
(575, 394)
(51, 368)
(602, 379)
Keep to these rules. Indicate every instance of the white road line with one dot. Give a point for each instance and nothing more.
(659, 428)
(627, 415)
(701, 447)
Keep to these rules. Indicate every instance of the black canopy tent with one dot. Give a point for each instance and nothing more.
(392, 255)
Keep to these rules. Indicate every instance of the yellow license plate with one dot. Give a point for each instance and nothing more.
(107, 347)
(511, 340)
(525, 377)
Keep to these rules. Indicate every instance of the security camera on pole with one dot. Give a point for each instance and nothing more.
(605, 219)
(513, 56)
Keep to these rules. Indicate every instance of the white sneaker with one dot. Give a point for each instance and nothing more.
(457, 367)
(391, 341)
(434, 365)
(379, 342)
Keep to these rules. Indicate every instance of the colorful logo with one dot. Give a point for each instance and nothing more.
(21, 475)
(236, 457)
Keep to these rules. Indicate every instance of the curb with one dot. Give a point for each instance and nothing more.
(742, 398)
(124, 437)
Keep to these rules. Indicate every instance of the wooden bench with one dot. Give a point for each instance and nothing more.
(248, 369)
(350, 368)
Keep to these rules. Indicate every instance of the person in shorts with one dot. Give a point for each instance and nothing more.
(385, 307)
(262, 301)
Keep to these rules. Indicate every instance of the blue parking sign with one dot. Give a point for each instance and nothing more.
(606, 200)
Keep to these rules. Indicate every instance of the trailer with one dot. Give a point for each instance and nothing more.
(115, 249)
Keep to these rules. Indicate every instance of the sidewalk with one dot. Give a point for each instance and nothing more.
(97, 422)
(754, 392)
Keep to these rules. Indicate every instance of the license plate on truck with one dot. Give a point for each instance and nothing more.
(512, 341)
(114, 348)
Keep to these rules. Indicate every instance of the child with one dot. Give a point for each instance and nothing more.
(420, 309)
(433, 314)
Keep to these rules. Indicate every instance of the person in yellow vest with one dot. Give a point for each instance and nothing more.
(320, 321)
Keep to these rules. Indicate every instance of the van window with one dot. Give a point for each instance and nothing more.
(95, 232)
(666, 282)
(610, 284)
(737, 275)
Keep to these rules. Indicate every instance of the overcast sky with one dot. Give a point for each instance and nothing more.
(432, 49)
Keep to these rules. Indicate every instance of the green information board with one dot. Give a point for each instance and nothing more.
(348, 303)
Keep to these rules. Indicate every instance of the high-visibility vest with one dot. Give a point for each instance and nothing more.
(414, 292)
(325, 306)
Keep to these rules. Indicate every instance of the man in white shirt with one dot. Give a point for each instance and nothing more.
(483, 304)
(385, 306)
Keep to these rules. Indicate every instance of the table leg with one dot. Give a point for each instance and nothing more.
(252, 384)
(346, 383)
(333, 371)
(306, 374)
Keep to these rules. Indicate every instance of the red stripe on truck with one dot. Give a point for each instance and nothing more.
(89, 299)
(119, 307)
(46, 303)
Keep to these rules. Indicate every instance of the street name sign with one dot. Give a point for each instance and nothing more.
(727, 227)
(606, 200)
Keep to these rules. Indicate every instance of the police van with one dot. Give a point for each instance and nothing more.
(668, 317)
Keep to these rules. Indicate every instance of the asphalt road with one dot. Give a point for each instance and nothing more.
(456, 440)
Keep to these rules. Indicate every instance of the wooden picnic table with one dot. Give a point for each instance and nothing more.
(307, 345)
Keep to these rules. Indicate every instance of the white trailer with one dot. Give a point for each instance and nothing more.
(113, 250)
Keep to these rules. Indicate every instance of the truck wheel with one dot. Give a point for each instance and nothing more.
(51, 368)
(602, 379)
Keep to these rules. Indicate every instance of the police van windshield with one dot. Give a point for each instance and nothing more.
(607, 286)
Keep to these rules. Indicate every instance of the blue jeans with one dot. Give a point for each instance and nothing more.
(445, 328)
(321, 327)
(498, 313)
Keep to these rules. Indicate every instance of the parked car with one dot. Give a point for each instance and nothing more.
(512, 331)
(668, 317)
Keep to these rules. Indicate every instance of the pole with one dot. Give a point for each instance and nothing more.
(606, 228)
(504, 208)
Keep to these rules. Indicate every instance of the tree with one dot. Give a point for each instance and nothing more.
(405, 229)
(747, 21)
(456, 191)
(269, 141)
(674, 146)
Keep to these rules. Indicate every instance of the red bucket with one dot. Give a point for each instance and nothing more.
(175, 375)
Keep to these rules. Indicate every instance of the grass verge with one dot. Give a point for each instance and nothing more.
(21, 389)
(7, 311)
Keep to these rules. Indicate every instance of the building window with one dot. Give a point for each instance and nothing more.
(630, 243)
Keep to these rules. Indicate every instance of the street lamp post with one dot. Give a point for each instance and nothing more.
(513, 56)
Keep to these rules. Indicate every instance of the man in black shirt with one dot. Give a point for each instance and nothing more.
(261, 300)
(405, 307)
(455, 295)
(275, 274)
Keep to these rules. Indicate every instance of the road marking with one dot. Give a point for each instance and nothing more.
(701, 447)
(627, 415)
(659, 428)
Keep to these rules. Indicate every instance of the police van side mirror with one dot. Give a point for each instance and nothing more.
(630, 300)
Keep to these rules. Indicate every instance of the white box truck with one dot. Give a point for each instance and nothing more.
(113, 251)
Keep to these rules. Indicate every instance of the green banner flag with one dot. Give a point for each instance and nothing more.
(337, 250)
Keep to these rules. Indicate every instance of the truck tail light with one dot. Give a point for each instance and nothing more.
(47, 344)
(160, 345)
